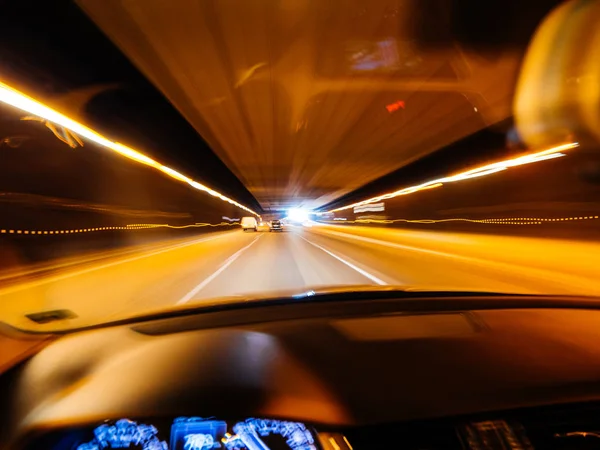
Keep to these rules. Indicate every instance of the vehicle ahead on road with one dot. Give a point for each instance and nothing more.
(264, 226)
(428, 370)
(276, 225)
(249, 223)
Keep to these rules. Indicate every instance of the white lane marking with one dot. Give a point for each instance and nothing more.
(535, 273)
(101, 256)
(22, 286)
(411, 248)
(394, 245)
(187, 297)
(349, 264)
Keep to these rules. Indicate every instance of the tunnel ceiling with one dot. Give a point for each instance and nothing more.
(307, 100)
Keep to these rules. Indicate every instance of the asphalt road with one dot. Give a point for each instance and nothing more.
(233, 263)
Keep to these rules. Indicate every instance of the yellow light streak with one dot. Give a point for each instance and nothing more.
(23, 102)
(174, 174)
(494, 221)
(488, 169)
(140, 226)
(134, 155)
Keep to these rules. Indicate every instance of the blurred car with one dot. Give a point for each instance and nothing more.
(276, 225)
(264, 226)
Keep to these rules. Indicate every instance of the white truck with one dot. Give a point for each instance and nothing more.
(249, 223)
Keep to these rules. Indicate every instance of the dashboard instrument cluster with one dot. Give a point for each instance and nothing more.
(182, 433)
(568, 429)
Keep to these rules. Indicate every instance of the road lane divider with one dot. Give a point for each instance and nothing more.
(364, 273)
(191, 294)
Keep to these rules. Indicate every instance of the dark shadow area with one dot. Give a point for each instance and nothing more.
(53, 50)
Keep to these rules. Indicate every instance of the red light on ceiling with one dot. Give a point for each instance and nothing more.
(395, 106)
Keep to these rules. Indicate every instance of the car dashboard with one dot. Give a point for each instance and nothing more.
(562, 427)
(466, 373)
(181, 433)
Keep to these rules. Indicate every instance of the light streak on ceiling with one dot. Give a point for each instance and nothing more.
(488, 169)
(21, 101)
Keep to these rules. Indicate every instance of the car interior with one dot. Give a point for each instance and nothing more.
(337, 370)
(362, 370)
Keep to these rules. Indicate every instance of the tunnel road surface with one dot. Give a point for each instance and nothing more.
(195, 271)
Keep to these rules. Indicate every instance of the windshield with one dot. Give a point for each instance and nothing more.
(145, 161)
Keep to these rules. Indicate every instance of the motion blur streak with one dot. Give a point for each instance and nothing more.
(58, 203)
(21, 101)
(295, 261)
(494, 221)
(132, 227)
(179, 227)
(488, 169)
(520, 262)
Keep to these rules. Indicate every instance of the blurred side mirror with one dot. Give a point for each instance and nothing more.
(558, 92)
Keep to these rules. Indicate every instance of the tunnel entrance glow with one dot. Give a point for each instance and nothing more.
(298, 214)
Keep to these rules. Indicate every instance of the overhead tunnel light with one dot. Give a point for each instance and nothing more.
(488, 169)
(21, 101)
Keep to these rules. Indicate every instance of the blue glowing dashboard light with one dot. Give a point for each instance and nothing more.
(195, 433)
(125, 433)
(248, 435)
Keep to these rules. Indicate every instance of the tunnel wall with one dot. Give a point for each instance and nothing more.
(556, 198)
(56, 201)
